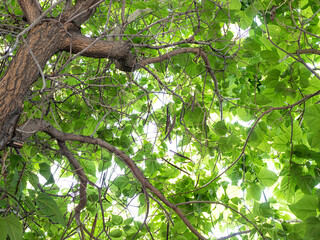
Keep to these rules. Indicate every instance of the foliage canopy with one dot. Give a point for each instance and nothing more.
(214, 131)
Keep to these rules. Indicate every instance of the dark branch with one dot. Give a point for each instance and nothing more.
(83, 179)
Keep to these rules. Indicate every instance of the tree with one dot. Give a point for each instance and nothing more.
(172, 119)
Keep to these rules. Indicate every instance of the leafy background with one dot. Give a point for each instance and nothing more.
(238, 154)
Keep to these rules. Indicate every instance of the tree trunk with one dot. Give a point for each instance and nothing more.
(43, 41)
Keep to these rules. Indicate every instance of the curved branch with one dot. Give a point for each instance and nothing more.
(168, 55)
(35, 125)
(82, 177)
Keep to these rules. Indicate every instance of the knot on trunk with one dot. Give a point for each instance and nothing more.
(127, 64)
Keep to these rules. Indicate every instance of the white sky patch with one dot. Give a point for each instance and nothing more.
(62, 182)
(238, 32)
(242, 123)
(257, 20)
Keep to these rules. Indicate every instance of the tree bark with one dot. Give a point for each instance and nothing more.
(43, 41)
(31, 9)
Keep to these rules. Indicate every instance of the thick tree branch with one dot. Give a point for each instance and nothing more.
(31, 9)
(308, 51)
(97, 48)
(43, 42)
(35, 125)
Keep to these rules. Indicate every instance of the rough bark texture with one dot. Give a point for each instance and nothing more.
(80, 12)
(43, 41)
(31, 9)
(90, 47)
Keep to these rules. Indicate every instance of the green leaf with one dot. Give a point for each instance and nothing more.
(125, 141)
(15, 160)
(301, 151)
(3, 229)
(89, 167)
(117, 220)
(312, 228)
(270, 57)
(312, 116)
(265, 210)
(243, 115)
(287, 187)
(115, 233)
(180, 227)
(49, 208)
(10, 226)
(76, 70)
(233, 4)
(152, 166)
(306, 207)
(179, 237)
(34, 180)
(261, 99)
(121, 181)
(103, 165)
(313, 139)
(245, 19)
(274, 119)
(272, 78)
(274, 29)
(280, 143)
(45, 171)
(220, 128)
(224, 144)
(251, 44)
(267, 177)
(128, 221)
(306, 183)
(254, 192)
